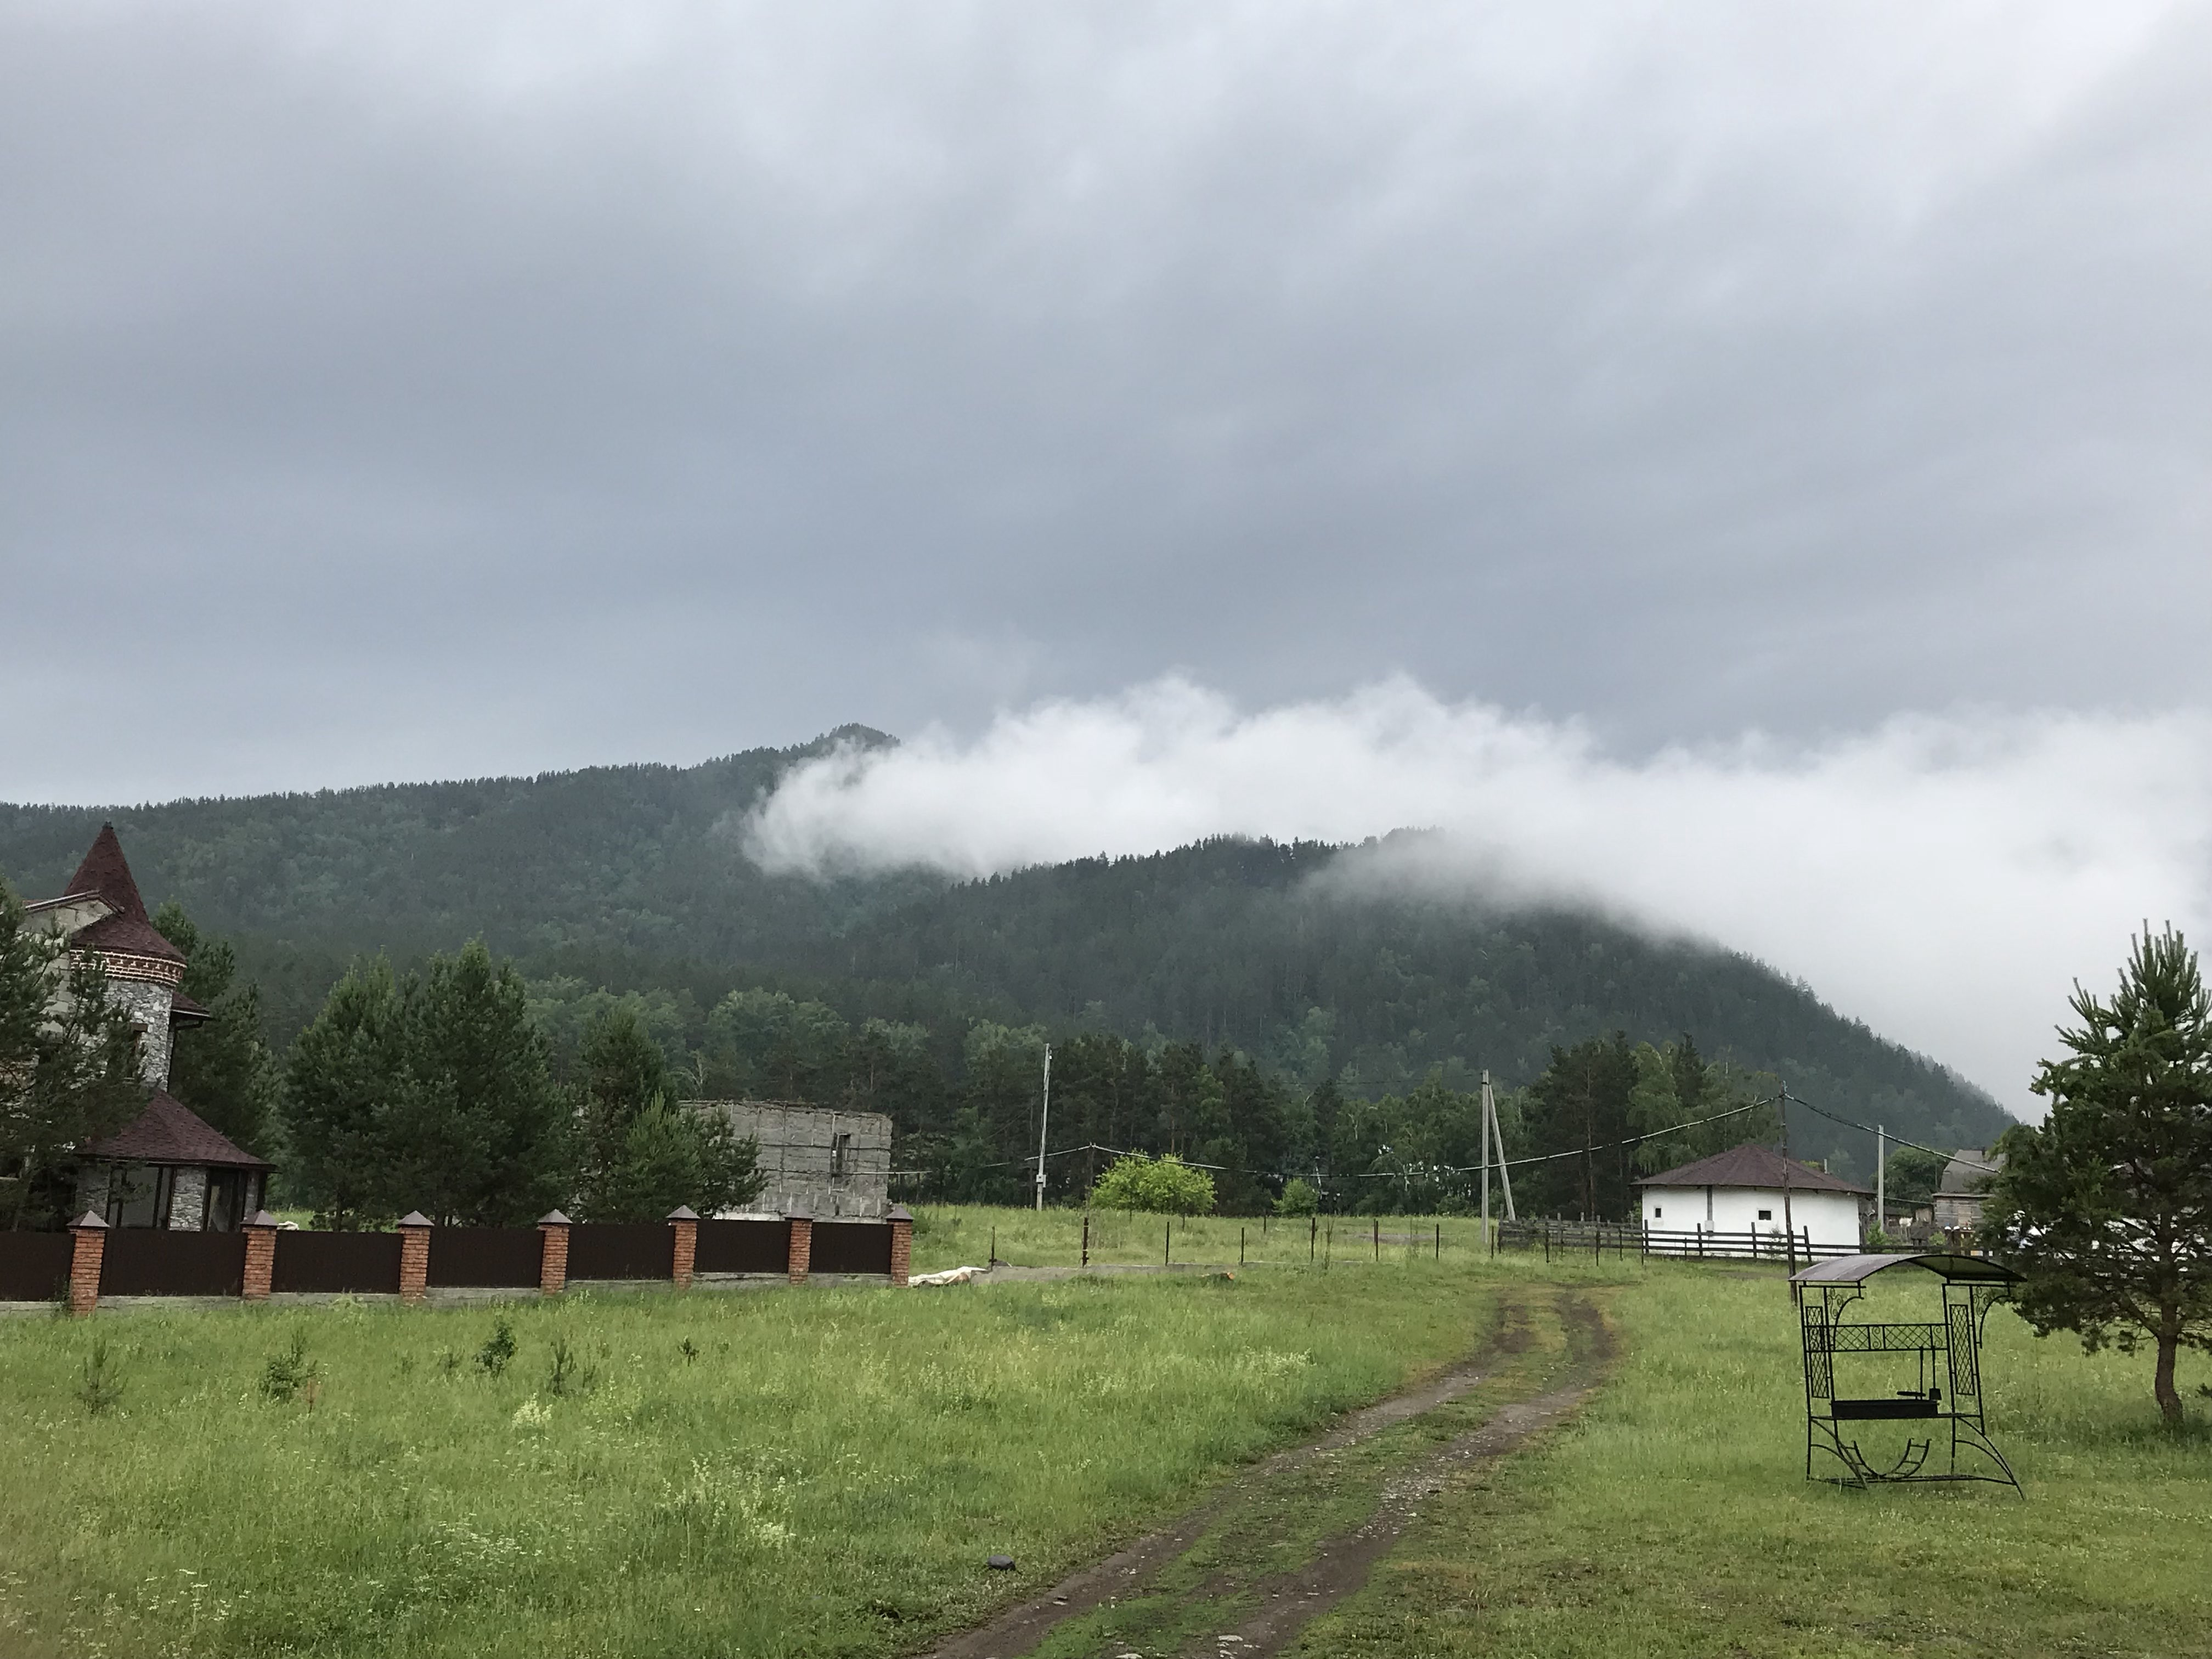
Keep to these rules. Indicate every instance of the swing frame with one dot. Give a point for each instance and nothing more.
(1947, 1355)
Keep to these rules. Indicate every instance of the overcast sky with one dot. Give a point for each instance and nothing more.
(412, 390)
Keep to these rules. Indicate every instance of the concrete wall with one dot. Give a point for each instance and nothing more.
(800, 1155)
(1826, 1218)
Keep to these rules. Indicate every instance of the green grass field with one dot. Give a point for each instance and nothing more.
(950, 1235)
(1673, 1518)
(819, 1472)
(823, 1472)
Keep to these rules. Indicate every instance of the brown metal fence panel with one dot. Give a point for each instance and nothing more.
(851, 1247)
(744, 1247)
(499, 1258)
(364, 1262)
(149, 1262)
(642, 1250)
(34, 1267)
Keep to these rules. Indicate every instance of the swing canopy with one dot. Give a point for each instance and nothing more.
(1952, 1269)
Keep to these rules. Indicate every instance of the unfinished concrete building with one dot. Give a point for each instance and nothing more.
(826, 1162)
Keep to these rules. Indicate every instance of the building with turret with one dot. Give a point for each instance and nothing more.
(167, 1167)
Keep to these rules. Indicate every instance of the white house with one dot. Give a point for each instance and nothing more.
(1742, 1191)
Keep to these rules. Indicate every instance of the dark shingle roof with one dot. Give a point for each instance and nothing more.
(169, 1132)
(1750, 1165)
(105, 872)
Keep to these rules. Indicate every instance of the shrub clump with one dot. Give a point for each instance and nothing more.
(1163, 1186)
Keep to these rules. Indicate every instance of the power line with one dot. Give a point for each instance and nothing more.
(1853, 1123)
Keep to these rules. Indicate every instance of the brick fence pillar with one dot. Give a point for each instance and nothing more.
(260, 1256)
(553, 1253)
(685, 1220)
(414, 1257)
(802, 1243)
(902, 1220)
(88, 1245)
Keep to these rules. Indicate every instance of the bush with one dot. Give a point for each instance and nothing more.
(1164, 1186)
(1299, 1198)
(290, 1370)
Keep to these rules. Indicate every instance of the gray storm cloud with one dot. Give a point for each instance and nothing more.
(1945, 880)
(407, 389)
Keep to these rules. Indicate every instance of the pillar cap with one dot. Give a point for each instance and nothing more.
(554, 1218)
(898, 1212)
(262, 1218)
(88, 1222)
(415, 1218)
(797, 1210)
(683, 1213)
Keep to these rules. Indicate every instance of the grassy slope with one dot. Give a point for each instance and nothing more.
(826, 1476)
(1674, 1520)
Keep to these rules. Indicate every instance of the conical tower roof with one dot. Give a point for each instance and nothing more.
(107, 873)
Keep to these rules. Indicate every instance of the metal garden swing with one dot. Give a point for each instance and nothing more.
(1947, 1354)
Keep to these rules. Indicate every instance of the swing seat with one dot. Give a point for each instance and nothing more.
(1861, 1410)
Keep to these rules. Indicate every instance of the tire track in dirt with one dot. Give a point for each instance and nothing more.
(1341, 1564)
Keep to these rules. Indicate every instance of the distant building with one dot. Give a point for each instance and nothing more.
(1743, 1191)
(167, 1167)
(1963, 1189)
(820, 1159)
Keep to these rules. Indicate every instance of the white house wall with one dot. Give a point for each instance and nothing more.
(1825, 1218)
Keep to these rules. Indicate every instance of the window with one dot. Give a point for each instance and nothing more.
(1656, 1212)
(1766, 1215)
(138, 1194)
(840, 1157)
(226, 1200)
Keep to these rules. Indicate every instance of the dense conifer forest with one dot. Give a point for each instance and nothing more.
(1262, 964)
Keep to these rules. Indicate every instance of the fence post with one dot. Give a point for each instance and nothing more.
(1086, 1238)
(87, 1245)
(902, 1220)
(414, 1257)
(1167, 1248)
(260, 1257)
(1313, 1235)
(553, 1253)
(685, 1220)
(1378, 1238)
(800, 1253)
(1440, 1241)
(1240, 1247)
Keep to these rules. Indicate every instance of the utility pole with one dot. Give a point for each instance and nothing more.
(1485, 1160)
(1788, 1228)
(1496, 1140)
(1880, 1181)
(1044, 1122)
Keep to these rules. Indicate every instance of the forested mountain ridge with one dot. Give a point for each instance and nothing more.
(636, 877)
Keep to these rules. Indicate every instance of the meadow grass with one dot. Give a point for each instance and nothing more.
(1673, 1517)
(779, 1473)
(954, 1234)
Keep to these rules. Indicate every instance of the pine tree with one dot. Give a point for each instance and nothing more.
(487, 1137)
(69, 1067)
(348, 1090)
(2108, 1207)
(224, 1069)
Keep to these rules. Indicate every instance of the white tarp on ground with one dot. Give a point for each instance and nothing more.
(950, 1276)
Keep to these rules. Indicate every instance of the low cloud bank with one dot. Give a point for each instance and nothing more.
(1944, 879)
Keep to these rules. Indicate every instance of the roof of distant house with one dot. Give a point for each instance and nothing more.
(1751, 1165)
(170, 1132)
(1968, 1174)
(128, 929)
